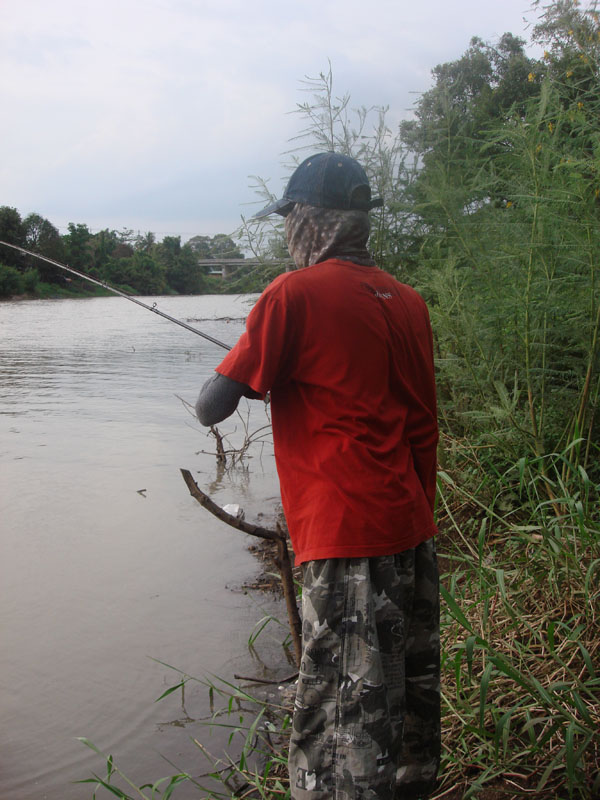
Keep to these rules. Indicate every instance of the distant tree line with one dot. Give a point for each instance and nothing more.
(135, 262)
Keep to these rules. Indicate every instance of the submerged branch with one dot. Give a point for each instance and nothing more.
(217, 511)
(283, 557)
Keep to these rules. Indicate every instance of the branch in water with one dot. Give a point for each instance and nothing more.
(283, 557)
(235, 522)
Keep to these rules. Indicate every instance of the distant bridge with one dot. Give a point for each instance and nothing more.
(227, 266)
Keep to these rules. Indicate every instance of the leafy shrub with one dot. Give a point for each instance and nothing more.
(11, 281)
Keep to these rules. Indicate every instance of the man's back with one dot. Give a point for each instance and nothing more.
(347, 354)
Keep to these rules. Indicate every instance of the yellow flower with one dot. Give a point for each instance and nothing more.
(550, 126)
(538, 148)
(531, 77)
(580, 105)
(508, 203)
(569, 73)
(571, 32)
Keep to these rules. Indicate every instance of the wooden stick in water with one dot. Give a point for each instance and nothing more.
(283, 557)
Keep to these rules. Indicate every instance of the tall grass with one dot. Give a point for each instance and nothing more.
(521, 600)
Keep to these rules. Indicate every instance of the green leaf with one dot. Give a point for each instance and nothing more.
(483, 690)
(454, 609)
(550, 635)
(112, 789)
(180, 685)
(570, 755)
(89, 744)
(446, 478)
(588, 660)
(469, 648)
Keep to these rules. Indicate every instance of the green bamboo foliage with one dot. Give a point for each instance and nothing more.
(514, 280)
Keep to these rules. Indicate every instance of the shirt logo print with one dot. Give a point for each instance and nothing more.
(377, 293)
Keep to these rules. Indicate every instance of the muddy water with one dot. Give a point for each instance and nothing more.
(107, 565)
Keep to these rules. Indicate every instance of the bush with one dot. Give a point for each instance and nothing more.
(11, 281)
(31, 280)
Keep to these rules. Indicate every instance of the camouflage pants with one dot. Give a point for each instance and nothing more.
(367, 714)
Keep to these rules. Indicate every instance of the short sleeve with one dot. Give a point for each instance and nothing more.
(262, 357)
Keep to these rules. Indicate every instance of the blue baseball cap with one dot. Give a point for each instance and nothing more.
(326, 180)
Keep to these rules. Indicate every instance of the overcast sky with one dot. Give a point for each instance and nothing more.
(151, 114)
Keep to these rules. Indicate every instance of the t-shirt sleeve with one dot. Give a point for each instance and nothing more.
(261, 358)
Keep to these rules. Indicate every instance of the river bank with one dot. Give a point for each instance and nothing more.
(51, 291)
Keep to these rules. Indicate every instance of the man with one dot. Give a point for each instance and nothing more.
(346, 353)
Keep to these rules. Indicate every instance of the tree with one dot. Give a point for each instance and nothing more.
(103, 245)
(485, 84)
(79, 247)
(11, 281)
(220, 246)
(43, 238)
(186, 277)
(181, 266)
(137, 270)
(149, 276)
(450, 135)
(201, 246)
(145, 242)
(12, 231)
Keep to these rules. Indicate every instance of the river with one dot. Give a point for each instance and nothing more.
(107, 565)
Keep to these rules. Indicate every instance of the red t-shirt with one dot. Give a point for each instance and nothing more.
(346, 352)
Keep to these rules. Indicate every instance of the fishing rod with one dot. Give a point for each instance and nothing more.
(104, 285)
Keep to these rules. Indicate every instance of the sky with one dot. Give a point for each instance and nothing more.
(153, 115)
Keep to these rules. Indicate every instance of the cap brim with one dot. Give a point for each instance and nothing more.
(282, 207)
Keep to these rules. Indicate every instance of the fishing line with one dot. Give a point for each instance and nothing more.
(104, 285)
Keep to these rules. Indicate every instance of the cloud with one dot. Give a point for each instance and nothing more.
(120, 109)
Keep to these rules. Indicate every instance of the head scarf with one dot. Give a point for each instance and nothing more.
(316, 234)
